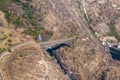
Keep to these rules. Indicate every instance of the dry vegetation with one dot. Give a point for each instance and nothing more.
(85, 60)
(32, 63)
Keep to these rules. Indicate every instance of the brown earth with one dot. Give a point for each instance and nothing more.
(9, 35)
(31, 62)
(106, 15)
(86, 59)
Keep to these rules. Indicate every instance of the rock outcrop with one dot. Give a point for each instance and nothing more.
(85, 59)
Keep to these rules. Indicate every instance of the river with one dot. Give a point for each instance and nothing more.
(115, 53)
(52, 53)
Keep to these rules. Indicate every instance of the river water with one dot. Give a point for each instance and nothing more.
(115, 53)
(52, 53)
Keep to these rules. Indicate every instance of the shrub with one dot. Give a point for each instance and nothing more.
(0, 50)
(4, 37)
(28, 16)
(17, 21)
(113, 31)
(50, 33)
(9, 50)
(79, 4)
(9, 40)
(32, 32)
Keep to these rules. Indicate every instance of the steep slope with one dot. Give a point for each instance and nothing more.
(28, 61)
(86, 59)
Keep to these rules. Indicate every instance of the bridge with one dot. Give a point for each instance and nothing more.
(49, 44)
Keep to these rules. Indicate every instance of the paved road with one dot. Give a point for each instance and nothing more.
(42, 44)
(6, 52)
(61, 8)
(17, 46)
(53, 42)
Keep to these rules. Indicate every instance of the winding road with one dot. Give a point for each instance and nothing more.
(62, 9)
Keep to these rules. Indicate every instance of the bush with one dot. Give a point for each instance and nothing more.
(4, 37)
(9, 40)
(1, 50)
(79, 4)
(113, 31)
(17, 21)
(9, 50)
(28, 16)
(50, 34)
(32, 32)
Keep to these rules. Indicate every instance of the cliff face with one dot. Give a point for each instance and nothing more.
(85, 59)
(105, 14)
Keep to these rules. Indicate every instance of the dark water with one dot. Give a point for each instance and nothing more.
(115, 53)
(52, 49)
(52, 53)
(59, 46)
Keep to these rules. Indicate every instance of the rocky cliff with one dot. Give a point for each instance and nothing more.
(86, 58)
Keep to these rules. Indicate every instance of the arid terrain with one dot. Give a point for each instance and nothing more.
(73, 29)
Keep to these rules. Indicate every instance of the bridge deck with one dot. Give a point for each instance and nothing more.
(48, 44)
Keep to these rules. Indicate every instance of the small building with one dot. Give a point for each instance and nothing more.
(42, 37)
(106, 44)
(111, 39)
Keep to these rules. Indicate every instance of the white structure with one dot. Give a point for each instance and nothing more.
(119, 45)
(106, 44)
(111, 40)
(39, 37)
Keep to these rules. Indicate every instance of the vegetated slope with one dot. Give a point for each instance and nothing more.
(19, 13)
(23, 14)
(9, 35)
(22, 19)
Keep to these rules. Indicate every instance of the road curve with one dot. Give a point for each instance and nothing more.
(13, 48)
(76, 23)
(66, 11)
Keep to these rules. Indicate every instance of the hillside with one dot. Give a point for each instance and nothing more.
(73, 29)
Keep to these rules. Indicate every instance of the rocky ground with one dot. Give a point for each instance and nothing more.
(32, 61)
(104, 16)
(9, 35)
(86, 59)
